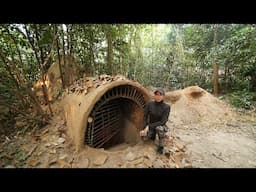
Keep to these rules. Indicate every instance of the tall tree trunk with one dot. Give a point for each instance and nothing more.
(43, 77)
(31, 42)
(119, 46)
(225, 78)
(109, 49)
(59, 58)
(40, 48)
(71, 40)
(215, 67)
(43, 72)
(16, 45)
(67, 38)
(128, 68)
(253, 83)
(151, 69)
(64, 52)
(139, 58)
(34, 48)
(187, 75)
(41, 63)
(91, 46)
(216, 82)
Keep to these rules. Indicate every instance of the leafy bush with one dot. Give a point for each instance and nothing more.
(243, 99)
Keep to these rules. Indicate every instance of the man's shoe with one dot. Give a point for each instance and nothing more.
(160, 150)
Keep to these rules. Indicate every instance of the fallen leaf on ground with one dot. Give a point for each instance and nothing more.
(147, 162)
(130, 156)
(55, 144)
(9, 166)
(83, 163)
(48, 144)
(62, 157)
(61, 140)
(45, 131)
(40, 153)
(52, 151)
(7, 155)
(137, 161)
(52, 161)
(100, 159)
(63, 164)
(33, 162)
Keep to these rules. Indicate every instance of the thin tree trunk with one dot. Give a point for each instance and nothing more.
(215, 67)
(71, 40)
(128, 66)
(18, 82)
(40, 48)
(121, 70)
(253, 83)
(31, 42)
(110, 49)
(225, 78)
(58, 52)
(43, 76)
(139, 55)
(67, 38)
(92, 61)
(45, 92)
(64, 51)
(151, 69)
(16, 45)
(216, 86)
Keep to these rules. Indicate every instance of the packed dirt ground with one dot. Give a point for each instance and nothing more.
(205, 132)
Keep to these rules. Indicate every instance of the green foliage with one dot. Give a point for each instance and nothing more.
(242, 99)
(170, 55)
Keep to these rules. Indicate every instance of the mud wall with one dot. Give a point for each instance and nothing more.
(82, 97)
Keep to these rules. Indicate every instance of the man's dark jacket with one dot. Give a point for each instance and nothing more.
(156, 114)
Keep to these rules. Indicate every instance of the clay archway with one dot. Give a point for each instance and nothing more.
(99, 118)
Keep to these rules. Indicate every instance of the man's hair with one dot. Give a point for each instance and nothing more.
(160, 90)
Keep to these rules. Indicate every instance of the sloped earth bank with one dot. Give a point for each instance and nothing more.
(215, 136)
(204, 132)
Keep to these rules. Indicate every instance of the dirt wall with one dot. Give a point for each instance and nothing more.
(78, 105)
(194, 104)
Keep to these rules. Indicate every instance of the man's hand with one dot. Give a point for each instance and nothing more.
(144, 132)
